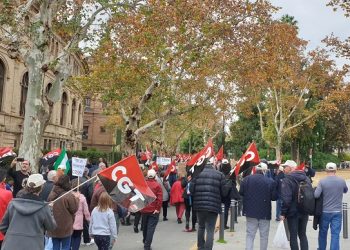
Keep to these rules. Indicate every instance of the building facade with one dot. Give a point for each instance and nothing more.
(66, 123)
(96, 133)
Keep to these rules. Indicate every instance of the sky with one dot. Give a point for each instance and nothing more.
(315, 20)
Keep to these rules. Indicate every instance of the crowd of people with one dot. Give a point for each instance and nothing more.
(39, 211)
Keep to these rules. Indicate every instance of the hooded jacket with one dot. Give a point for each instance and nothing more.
(25, 223)
(289, 193)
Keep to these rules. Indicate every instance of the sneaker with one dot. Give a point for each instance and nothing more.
(90, 243)
(179, 221)
(165, 219)
(226, 227)
(193, 229)
(136, 230)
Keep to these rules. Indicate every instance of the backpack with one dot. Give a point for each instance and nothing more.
(305, 198)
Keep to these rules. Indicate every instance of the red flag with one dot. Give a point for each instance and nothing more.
(171, 169)
(154, 166)
(5, 152)
(301, 166)
(126, 185)
(220, 154)
(50, 157)
(205, 153)
(248, 159)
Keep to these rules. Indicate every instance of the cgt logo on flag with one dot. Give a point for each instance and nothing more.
(126, 185)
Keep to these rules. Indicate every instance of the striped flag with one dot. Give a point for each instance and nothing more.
(62, 162)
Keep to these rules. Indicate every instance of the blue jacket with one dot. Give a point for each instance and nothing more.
(258, 192)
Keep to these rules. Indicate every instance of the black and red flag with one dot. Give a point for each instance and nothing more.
(220, 155)
(126, 184)
(198, 161)
(248, 160)
(50, 158)
(171, 169)
(6, 152)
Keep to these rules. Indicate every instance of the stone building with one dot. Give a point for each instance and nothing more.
(66, 124)
(95, 132)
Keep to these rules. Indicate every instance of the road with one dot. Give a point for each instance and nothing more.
(170, 235)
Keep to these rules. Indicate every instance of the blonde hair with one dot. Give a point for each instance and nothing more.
(104, 202)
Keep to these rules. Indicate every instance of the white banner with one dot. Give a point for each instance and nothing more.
(163, 161)
(78, 166)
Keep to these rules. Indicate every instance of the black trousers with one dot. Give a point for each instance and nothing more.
(150, 222)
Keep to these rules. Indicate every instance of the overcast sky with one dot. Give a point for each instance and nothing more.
(315, 19)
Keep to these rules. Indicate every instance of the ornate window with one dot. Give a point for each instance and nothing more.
(2, 81)
(74, 111)
(79, 116)
(24, 92)
(64, 104)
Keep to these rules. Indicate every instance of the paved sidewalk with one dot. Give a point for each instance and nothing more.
(236, 240)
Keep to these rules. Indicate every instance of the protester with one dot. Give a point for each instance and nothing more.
(102, 225)
(257, 192)
(278, 178)
(47, 187)
(101, 166)
(309, 171)
(332, 188)
(176, 198)
(207, 189)
(138, 215)
(83, 212)
(165, 189)
(20, 175)
(5, 198)
(188, 199)
(296, 218)
(27, 218)
(64, 210)
(150, 214)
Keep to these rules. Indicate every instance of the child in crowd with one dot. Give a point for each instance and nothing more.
(102, 225)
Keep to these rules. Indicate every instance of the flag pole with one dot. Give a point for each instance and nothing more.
(92, 178)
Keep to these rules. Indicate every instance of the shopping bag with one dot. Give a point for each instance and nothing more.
(280, 240)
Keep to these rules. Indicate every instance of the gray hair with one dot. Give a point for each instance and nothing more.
(51, 175)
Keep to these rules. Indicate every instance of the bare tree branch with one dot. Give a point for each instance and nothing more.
(300, 122)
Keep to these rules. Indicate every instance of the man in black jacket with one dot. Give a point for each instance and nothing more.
(258, 191)
(207, 189)
(296, 218)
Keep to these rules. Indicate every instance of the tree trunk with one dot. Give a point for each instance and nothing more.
(130, 138)
(278, 148)
(294, 150)
(36, 114)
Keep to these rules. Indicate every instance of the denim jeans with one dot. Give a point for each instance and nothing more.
(297, 228)
(76, 239)
(61, 243)
(206, 222)
(332, 220)
(278, 208)
(150, 222)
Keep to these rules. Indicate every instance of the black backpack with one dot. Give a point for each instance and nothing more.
(305, 197)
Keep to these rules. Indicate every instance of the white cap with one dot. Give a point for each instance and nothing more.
(263, 166)
(224, 161)
(35, 180)
(331, 166)
(151, 173)
(280, 168)
(290, 163)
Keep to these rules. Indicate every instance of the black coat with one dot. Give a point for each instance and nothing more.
(208, 189)
(257, 192)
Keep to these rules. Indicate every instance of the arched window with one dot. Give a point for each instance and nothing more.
(24, 91)
(64, 104)
(79, 116)
(48, 87)
(74, 111)
(2, 81)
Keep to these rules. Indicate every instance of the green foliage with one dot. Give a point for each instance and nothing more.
(320, 159)
(91, 154)
(344, 157)
(193, 143)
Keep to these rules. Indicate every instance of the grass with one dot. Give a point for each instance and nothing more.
(344, 173)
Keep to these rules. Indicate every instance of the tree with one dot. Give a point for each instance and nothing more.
(165, 59)
(29, 29)
(288, 88)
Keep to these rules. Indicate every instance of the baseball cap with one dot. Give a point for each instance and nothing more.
(151, 174)
(331, 166)
(224, 161)
(261, 166)
(35, 180)
(290, 163)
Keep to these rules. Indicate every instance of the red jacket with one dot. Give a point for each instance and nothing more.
(157, 203)
(176, 193)
(5, 198)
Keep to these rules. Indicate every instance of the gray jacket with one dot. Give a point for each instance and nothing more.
(25, 222)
